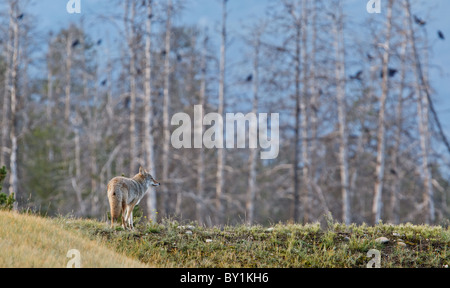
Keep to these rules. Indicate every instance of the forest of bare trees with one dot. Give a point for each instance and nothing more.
(360, 137)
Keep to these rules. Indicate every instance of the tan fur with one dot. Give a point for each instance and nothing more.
(125, 193)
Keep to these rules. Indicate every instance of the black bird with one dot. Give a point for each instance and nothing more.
(441, 35)
(75, 43)
(419, 21)
(249, 78)
(20, 17)
(393, 172)
(391, 73)
(179, 58)
(150, 16)
(104, 82)
(126, 103)
(357, 76)
(370, 57)
(99, 42)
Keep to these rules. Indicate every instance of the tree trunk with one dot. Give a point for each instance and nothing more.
(342, 112)
(166, 108)
(7, 91)
(253, 159)
(148, 114)
(297, 158)
(394, 201)
(379, 169)
(221, 151)
(201, 156)
(132, 51)
(68, 76)
(304, 121)
(13, 180)
(423, 104)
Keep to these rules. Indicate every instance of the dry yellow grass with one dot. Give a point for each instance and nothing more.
(28, 241)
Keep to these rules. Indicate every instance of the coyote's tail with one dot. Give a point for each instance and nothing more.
(115, 203)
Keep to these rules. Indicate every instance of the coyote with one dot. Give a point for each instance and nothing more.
(125, 193)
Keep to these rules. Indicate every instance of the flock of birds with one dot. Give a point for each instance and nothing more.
(391, 71)
(358, 76)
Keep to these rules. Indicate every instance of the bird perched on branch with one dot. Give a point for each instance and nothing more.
(357, 76)
(75, 43)
(441, 35)
(419, 21)
(391, 72)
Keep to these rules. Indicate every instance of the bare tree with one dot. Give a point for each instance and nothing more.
(68, 87)
(379, 170)
(132, 48)
(396, 167)
(148, 112)
(7, 90)
(221, 109)
(342, 111)
(201, 157)
(253, 159)
(14, 101)
(423, 105)
(166, 105)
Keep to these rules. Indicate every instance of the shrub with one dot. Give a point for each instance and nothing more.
(6, 202)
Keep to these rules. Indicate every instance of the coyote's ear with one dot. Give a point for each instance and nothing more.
(141, 170)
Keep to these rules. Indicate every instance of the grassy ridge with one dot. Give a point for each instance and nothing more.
(28, 241)
(172, 245)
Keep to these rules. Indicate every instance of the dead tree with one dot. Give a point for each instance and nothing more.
(253, 159)
(342, 111)
(221, 109)
(132, 47)
(166, 107)
(201, 157)
(422, 92)
(380, 160)
(13, 179)
(148, 113)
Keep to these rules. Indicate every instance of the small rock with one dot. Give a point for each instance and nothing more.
(190, 227)
(382, 240)
(189, 232)
(395, 234)
(346, 239)
(270, 229)
(209, 240)
(401, 244)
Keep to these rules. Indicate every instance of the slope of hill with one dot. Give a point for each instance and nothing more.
(171, 244)
(30, 241)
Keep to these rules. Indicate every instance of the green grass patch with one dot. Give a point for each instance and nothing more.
(171, 244)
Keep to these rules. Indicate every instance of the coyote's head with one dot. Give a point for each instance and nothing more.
(148, 178)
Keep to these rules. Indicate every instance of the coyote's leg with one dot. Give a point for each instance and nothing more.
(129, 217)
(124, 213)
